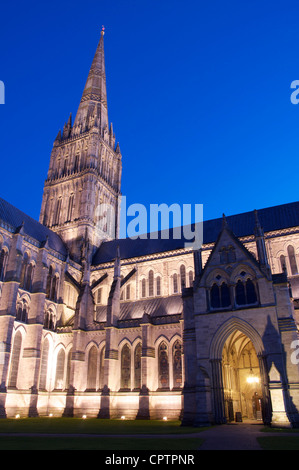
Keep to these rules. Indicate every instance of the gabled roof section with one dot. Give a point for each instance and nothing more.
(227, 235)
(271, 218)
(154, 308)
(15, 219)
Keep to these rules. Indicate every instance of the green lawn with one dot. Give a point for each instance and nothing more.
(279, 442)
(93, 443)
(93, 426)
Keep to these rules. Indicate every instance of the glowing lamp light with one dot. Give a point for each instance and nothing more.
(164, 418)
(50, 415)
(84, 417)
(123, 417)
(252, 380)
(17, 416)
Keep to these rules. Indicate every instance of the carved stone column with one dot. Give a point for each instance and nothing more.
(218, 393)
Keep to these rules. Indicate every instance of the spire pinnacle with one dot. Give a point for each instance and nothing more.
(94, 95)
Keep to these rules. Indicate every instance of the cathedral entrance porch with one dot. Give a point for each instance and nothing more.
(243, 398)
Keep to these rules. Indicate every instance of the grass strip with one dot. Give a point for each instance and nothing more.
(101, 443)
(279, 442)
(93, 426)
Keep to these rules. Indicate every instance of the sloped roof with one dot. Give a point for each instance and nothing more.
(15, 218)
(242, 225)
(156, 307)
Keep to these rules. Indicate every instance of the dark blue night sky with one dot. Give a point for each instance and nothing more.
(198, 93)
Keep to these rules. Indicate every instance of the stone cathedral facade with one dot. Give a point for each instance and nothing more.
(105, 327)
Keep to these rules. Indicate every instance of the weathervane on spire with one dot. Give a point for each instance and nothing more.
(103, 30)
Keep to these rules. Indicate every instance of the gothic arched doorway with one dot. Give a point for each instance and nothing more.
(239, 373)
(242, 380)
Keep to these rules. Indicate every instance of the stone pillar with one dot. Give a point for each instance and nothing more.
(203, 416)
(279, 415)
(111, 375)
(147, 370)
(266, 399)
(218, 392)
(190, 364)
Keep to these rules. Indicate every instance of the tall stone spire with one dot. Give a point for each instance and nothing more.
(84, 177)
(94, 98)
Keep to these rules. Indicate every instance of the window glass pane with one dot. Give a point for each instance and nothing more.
(225, 295)
(183, 276)
(137, 366)
(283, 263)
(92, 369)
(151, 283)
(215, 296)
(175, 283)
(125, 367)
(15, 360)
(60, 370)
(158, 281)
(44, 366)
(292, 259)
(177, 364)
(250, 292)
(163, 366)
(143, 288)
(240, 293)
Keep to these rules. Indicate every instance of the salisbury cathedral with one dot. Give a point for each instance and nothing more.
(100, 326)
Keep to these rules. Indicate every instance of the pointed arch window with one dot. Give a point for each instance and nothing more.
(151, 283)
(125, 382)
(240, 293)
(52, 285)
(76, 165)
(15, 360)
(102, 370)
(65, 166)
(143, 288)
(177, 364)
(215, 296)
(92, 369)
(183, 276)
(220, 296)
(158, 285)
(50, 320)
(283, 263)
(56, 217)
(22, 311)
(68, 369)
(246, 293)
(225, 295)
(44, 365)
(28, 279)
(251, 296)
(70, 208)
(292, 260)
(128, 292)
(49, 282)
(23, 270)
(175, 283)
(59, 385)
(137, 366)
(163, 366)
(3, 263)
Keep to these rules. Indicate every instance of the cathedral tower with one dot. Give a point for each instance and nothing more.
(81, 196)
